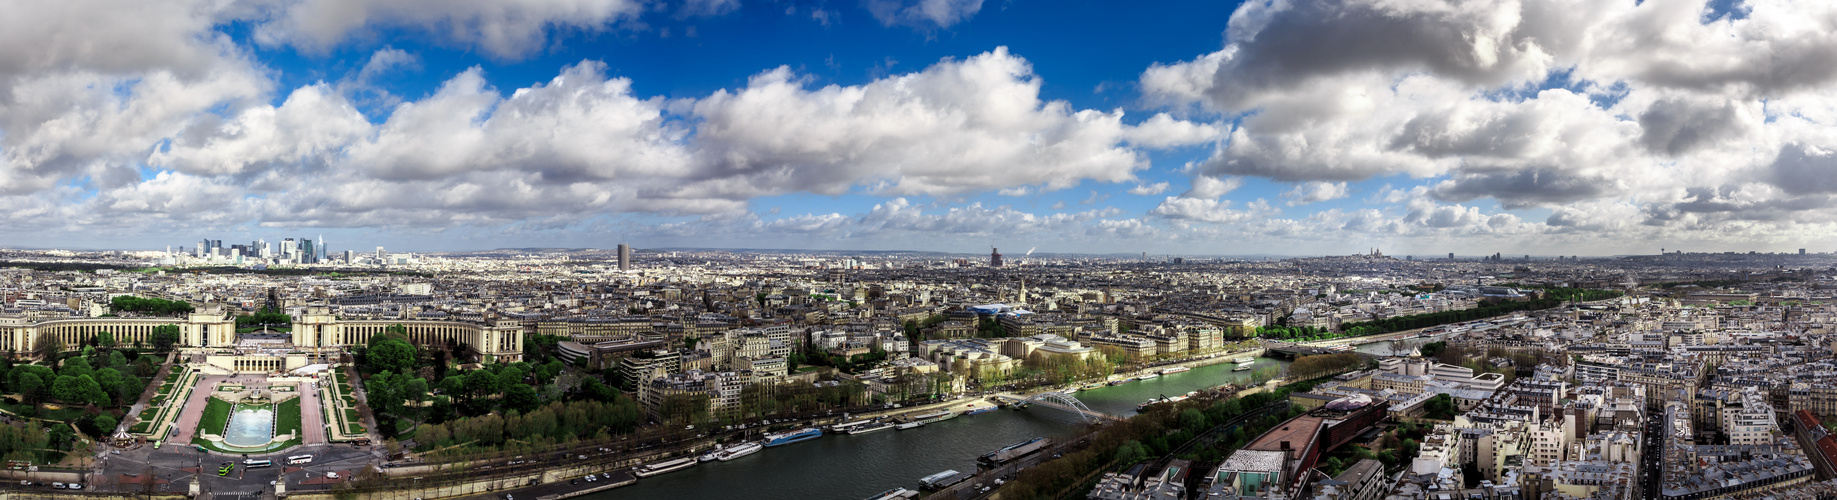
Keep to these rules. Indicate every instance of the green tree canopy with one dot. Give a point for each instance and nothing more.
(521, 397)
(392, 355)
(77, 367)
(159, 307)
(67, 389)
(165, 336)
(29, 385)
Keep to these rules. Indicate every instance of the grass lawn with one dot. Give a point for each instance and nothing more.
(216, 417)
(287, 419)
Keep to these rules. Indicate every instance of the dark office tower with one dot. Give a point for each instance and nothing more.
(994, 257)
(624, 257)
(1801, 251)
(307, 255)
(1450, 255)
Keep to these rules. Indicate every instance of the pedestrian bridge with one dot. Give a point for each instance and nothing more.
(1060, 401)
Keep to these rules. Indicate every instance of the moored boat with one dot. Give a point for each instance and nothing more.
(909, 425)
(797, 436)
(871, 428)
(1013, 451)
(738, 451)
(1174, 370)
(663, 467)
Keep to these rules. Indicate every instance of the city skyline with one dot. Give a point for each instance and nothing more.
(1271, 128)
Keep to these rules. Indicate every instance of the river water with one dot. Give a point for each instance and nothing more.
(1384, 348)
(856, 466)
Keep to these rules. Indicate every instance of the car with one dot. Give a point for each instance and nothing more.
(117, 452)
(508, 497)
(25, 483)
(331, 475)
(74, 486)
(57, 485)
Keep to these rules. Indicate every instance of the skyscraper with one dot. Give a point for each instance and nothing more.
(307, 254)
(624, 257)
(994, 257)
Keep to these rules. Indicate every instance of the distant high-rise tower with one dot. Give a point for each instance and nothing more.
(307, 254)
(624, 257)
(1450, 255)
(1801, 251)
(994, 257)
(380, 255)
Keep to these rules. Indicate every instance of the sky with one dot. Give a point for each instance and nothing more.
(1288, 127)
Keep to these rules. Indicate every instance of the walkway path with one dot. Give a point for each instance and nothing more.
(194, 408)
(312, 416)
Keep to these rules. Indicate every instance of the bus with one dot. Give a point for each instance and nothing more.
(225, 469)
(299, 459)
(252, 463)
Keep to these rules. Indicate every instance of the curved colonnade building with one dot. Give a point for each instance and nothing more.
(213, 333)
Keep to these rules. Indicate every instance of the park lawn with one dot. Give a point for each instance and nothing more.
(215, 418)
(287, 417)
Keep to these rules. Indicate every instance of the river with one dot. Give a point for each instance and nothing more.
(856, 466)
(1384, 348)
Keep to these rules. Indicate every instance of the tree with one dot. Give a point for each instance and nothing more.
(113, 382)
(29, 385)
(105, 424)
(392, 355)
(164, 337)
(521, 397)
(481, 382)
(1192, 420)
(77, 367)
(116, 358)
(47, 346)
(66, 388)
(1440, 407)
(1131, 452)
(91, 391)
(105, 339)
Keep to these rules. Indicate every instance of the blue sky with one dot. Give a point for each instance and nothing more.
(1287, 126)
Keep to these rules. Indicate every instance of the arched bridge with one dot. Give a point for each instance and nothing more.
(1061, 401)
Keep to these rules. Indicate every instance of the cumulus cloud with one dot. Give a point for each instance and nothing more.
(1314, 192)
(1210, 210)
(1534, 103)
(923, 14)
(507, 29)
(1149, 189)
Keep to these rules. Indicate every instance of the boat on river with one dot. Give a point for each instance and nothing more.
(1014, 451)
(1177, 369)
(909, 425)
(871, 428)
(738, 451)
(664, 467)
(797, 436)
(1148, 376)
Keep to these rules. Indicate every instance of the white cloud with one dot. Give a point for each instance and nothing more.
(1314, 192)
(1211, 210)
(1212, 187)
(505, 29)
(922, 13)
(1149, 189)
